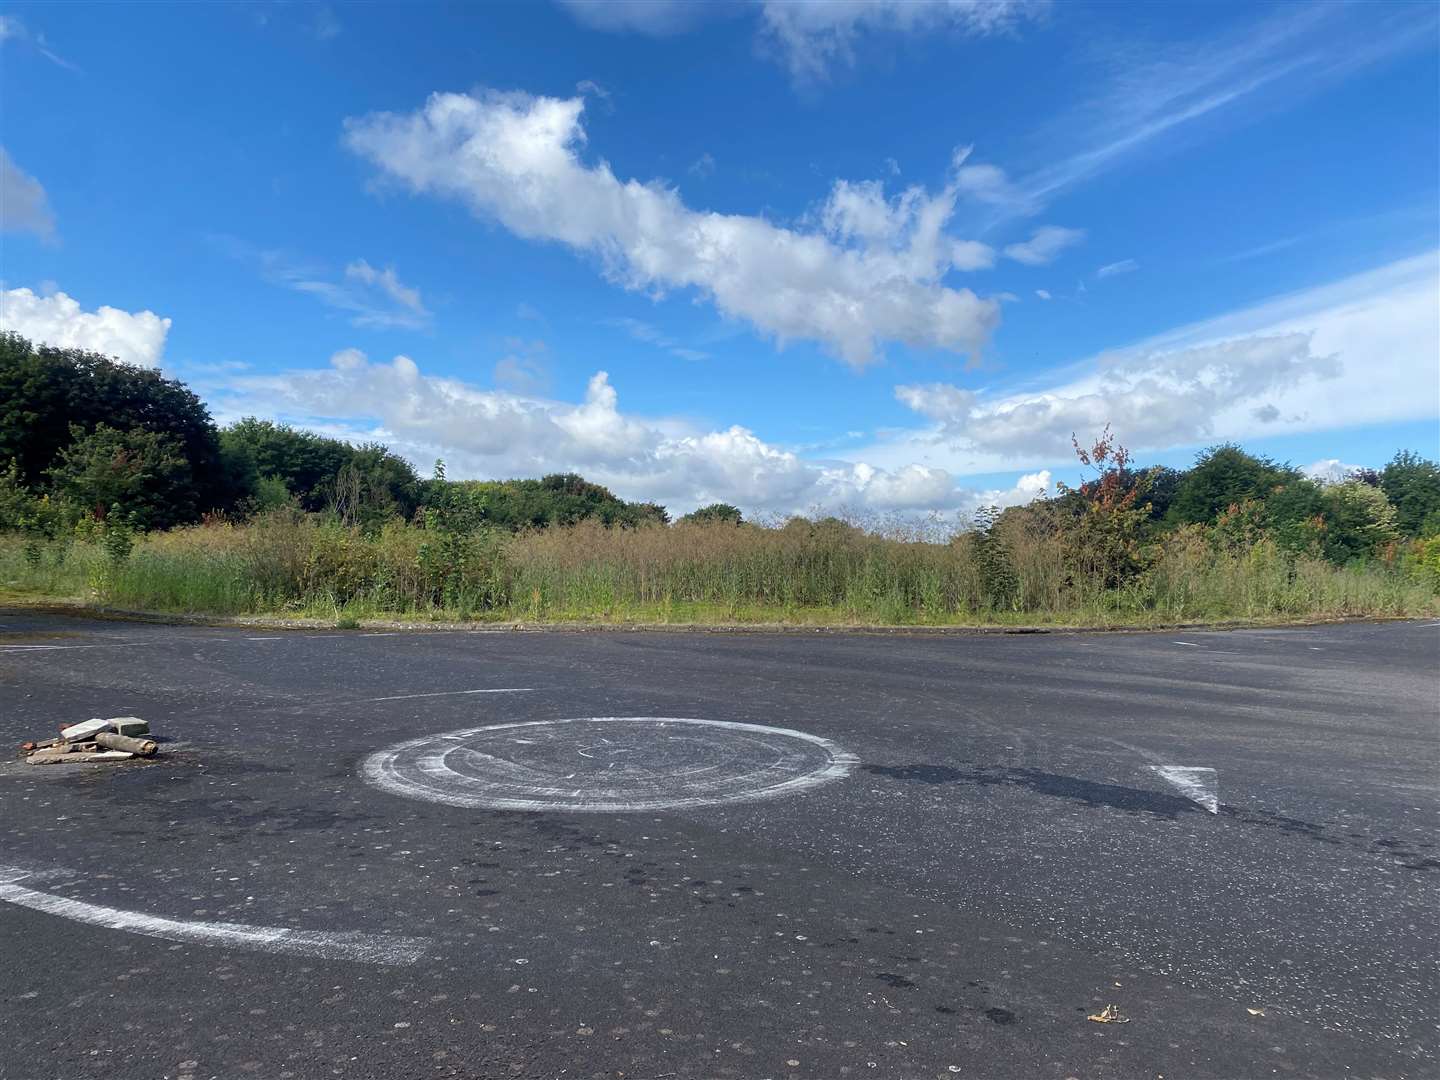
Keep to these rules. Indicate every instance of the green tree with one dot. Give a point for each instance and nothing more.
(715, 512)
(1412, 483)
(557, 499)
(306, 462)
(143, 473)
(1359, 521)
(50, 396)
(1223, 476)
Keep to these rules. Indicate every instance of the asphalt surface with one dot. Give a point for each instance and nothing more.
(967, 851)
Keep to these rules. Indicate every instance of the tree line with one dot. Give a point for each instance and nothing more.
(84, 437)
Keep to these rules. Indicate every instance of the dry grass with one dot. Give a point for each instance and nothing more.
(805, 573)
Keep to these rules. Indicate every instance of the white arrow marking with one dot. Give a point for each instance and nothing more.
(1196, 783)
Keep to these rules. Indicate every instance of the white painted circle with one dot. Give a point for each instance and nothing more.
(607, 764)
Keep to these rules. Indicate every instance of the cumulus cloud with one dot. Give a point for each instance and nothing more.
(1151, 400)
(135, 337)
(1045, 245)
(1329, 471)
(23, 205)
(870, 273)
(1043, 294)
(505, 432)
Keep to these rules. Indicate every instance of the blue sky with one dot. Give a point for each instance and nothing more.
(869, 255)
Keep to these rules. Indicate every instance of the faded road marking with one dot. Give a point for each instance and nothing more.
(447, 693)
(1197, 783)
(608, 764)
(365, 948)
(106, 645)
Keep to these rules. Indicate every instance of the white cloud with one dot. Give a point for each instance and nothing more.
(135, 337)
(374, 298)
(499, 433)
(937, 401)
(525, 370)
(1152, 94)
(810, 37)
(657, 18)
(1124, 266)
(388, 282)
(1043, 294)
(13, 29)
(23, 206)
(1045, 245)
(652, 335)
(817, 35)
(703, 166)
(1154, 399)
(326, 26)
(872, 273)
(1328, 471)
(1358, 351)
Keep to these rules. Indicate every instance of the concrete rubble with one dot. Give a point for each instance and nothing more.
(118, 738)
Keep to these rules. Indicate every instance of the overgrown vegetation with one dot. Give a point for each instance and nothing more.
(116, 488)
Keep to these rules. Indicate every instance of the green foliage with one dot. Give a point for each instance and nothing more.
(1358, 522)
(21, 510)
(1224, 476)
(364, 484)
(143, 473)
(49, 397)
(268, 494)
(1422, 561)
(715, 512)
(999, 583)
(1412, 484)
(558, 499)
(804, 572)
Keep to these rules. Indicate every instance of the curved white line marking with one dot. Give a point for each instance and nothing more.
(444, 693)
(382, 769)
(366, 948)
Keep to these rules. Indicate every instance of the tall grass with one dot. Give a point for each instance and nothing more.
(802, 572)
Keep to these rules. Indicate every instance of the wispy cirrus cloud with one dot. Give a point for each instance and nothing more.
(13, 29)
(1045, 245)
(1124, 266)
(373, 298)
(1151, 94)
(653, 335)
(812, 38)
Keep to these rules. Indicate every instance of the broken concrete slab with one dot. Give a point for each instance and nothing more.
(131, 726)
(86, 729)
(66, 757)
